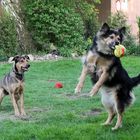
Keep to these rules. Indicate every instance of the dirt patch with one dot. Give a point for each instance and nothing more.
(37, 109)
(10, 115)
(76, 96)
(93, 112)
(7, 116)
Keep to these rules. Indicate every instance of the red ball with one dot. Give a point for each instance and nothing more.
(58, 85)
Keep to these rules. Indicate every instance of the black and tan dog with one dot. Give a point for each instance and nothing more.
(12, 84)
(107, 73)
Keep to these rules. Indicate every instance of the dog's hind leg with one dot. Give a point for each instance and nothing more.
(1, 95)
(119, 122)
(119, 110)
(81, 79)
(111, 115)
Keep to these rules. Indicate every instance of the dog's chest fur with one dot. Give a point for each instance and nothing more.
(101, 61)
(17, 87)
(108, 97)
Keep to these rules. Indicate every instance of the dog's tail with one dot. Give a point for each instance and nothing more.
(135, 80)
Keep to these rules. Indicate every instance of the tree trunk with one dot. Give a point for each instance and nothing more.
(25, 41)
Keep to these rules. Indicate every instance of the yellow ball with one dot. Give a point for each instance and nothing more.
(119, 51)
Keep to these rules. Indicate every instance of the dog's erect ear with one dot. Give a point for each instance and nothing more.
(122, 30)
(16, 58)
(27, 57)
(10, 60)
(105, 28)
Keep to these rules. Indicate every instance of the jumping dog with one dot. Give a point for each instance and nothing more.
(108, 74)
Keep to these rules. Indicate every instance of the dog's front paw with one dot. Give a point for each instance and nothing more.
(93, 91)
(90, 94)
(23, 112)
(77, 90)
(17, 114)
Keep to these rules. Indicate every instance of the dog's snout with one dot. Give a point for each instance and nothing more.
(28, 65)
(117, 43)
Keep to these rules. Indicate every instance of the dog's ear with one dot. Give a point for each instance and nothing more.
(105, 27)
(15, 58)
(10, 60)
(122, 30)
(27, 57)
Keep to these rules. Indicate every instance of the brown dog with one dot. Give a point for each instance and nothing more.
(12, 84)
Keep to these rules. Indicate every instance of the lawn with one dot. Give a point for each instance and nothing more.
(58, 114)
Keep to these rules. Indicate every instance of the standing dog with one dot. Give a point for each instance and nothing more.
(107, 73)
(12, 84)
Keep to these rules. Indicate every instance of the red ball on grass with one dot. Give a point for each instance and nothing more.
(58, 85)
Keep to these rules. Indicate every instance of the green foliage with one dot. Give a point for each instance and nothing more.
(89, 14)
(138, 22)
(8, 38)
(119, 20)
(66, 24)
(133, 50)
(53, 22)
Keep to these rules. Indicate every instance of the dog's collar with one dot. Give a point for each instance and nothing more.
(19, 76)
(105, 55)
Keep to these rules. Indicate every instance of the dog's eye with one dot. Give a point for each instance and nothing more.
(21, 61)
(112, 37)
(118, 39)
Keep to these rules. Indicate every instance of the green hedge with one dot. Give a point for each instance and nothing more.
(8, 37)
(53, 22)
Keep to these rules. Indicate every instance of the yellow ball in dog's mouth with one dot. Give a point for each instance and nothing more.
(119, 51)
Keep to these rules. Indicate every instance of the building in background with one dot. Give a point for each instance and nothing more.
(131, 8)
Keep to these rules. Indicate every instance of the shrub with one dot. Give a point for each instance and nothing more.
(133, 50)
(89, 14)
(8, 39)
(138, 22)
(53, 22)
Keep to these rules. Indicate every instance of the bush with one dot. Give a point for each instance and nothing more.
(53, 22)
(89, 14)
(133, 50)
(8, 39)
(138, 22)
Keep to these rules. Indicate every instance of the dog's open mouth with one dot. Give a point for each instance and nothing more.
(112, 46)
(25, 68)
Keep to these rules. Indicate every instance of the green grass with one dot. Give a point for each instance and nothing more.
(56, 114)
